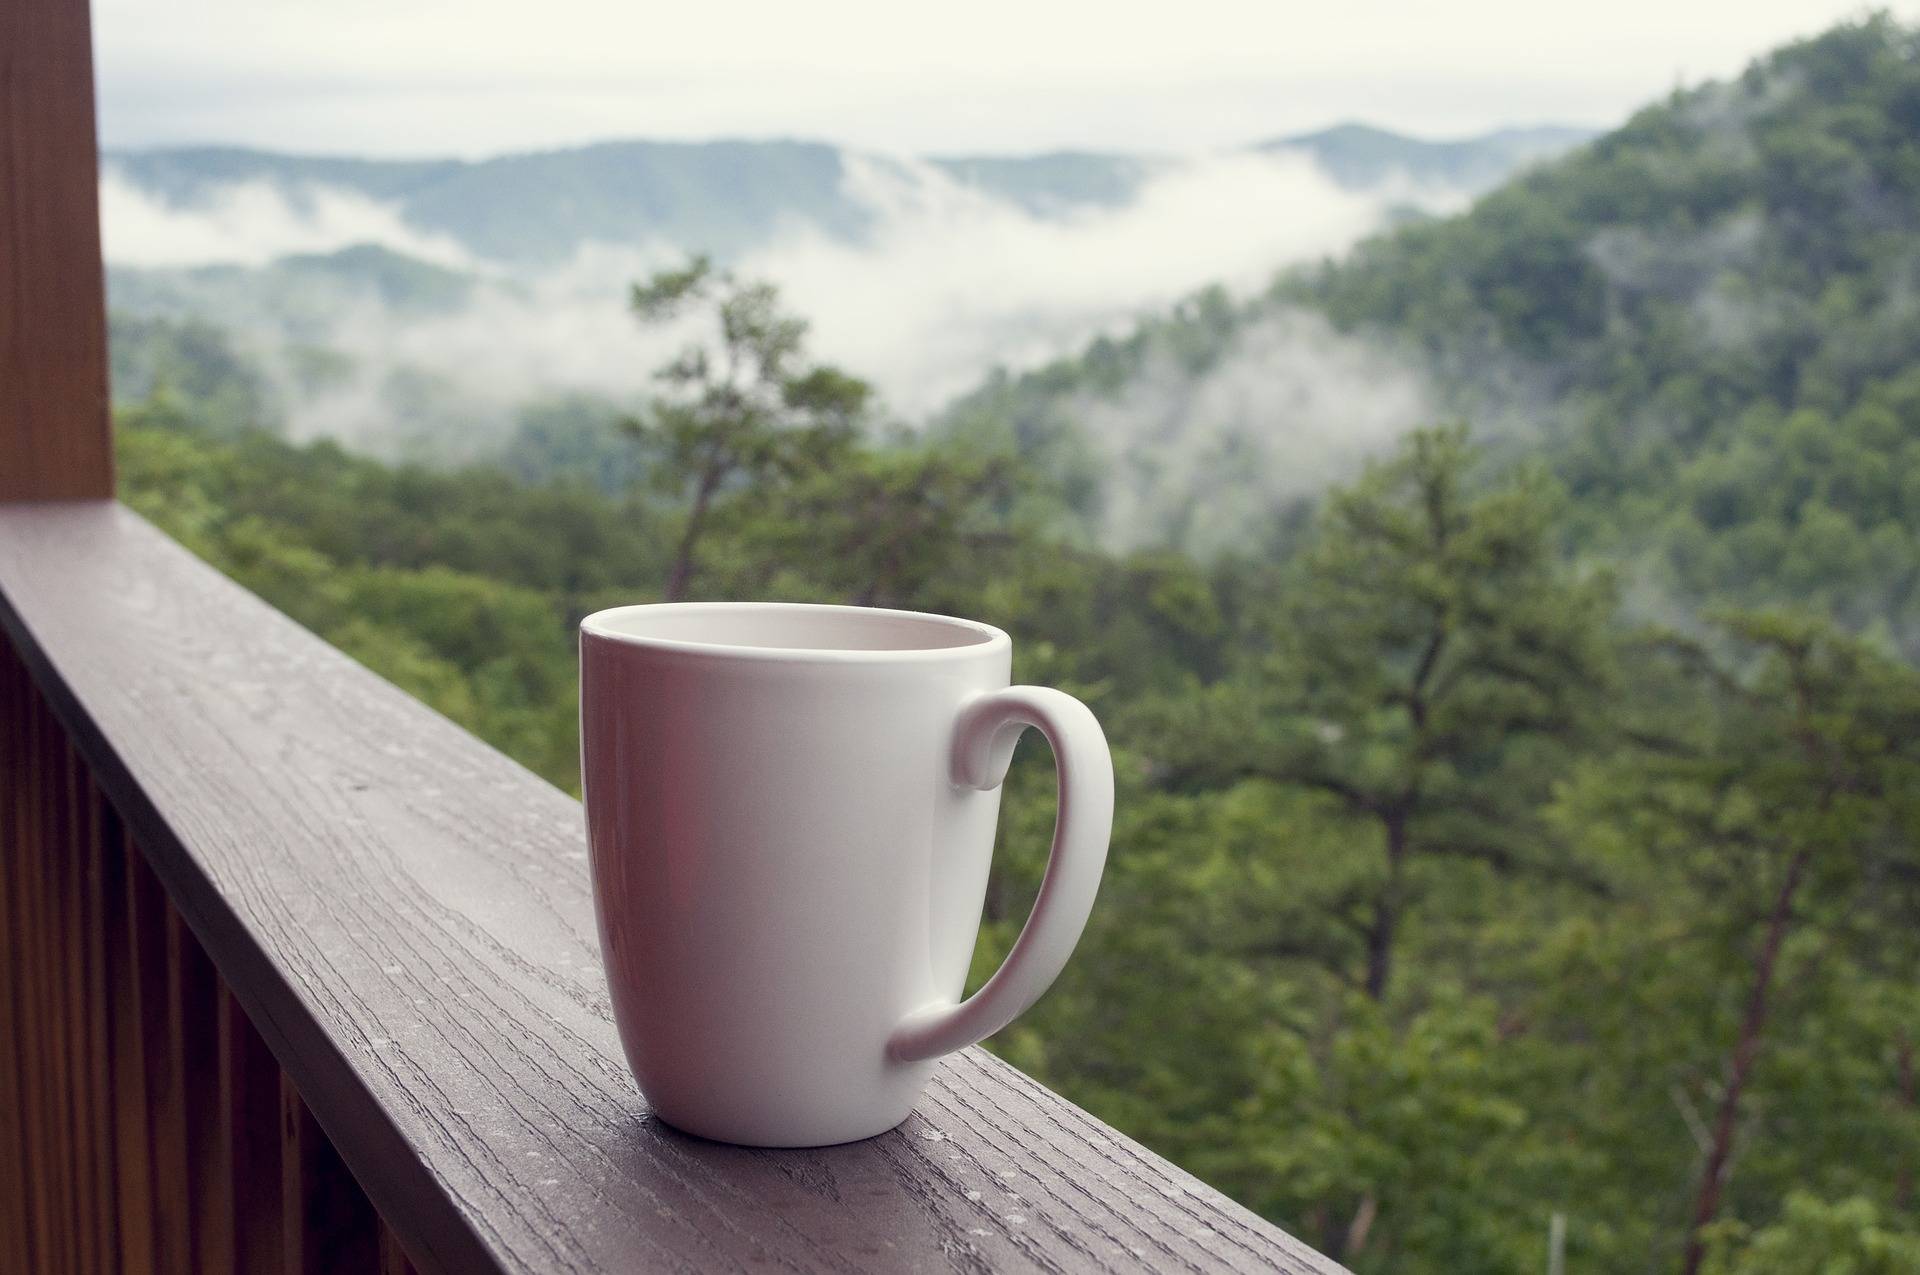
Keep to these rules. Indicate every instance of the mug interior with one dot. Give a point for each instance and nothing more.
(789, 627)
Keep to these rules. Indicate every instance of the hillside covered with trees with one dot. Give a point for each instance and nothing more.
(1704, 324)
(1527, 826)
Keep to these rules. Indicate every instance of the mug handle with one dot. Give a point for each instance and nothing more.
(983, 738)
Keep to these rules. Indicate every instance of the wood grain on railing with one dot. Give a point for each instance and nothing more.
(403, 916)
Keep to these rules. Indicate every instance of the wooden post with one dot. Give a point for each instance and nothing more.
(55, 439)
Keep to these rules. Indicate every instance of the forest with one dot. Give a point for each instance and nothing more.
(1525, 827)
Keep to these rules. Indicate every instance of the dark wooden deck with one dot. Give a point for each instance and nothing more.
(404, 915)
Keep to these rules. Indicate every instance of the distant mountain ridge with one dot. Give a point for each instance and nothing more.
(1360, 155)
(728, 196)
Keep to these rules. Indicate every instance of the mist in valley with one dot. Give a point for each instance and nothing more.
(1204, 461)
(428, 350)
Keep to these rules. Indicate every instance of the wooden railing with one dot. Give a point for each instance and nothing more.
(299, 976)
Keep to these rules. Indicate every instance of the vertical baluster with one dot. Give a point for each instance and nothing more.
(166, 1123)
(59, 882)
(393, 1258)
(194, 995)
(98, 824)
(36, 1041)
(132, 1167)
(250, 1140)
(15, 1210)
(69, 877)
(330, 1226)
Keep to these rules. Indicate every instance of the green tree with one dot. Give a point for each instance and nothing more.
(1790, 816)
(742, 404)
(1432, 667)
(1817, 1237)
(1433, 661)
(896, 526)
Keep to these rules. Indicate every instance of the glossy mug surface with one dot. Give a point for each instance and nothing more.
(791, 814)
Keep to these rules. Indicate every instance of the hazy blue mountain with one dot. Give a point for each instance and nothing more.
(729, 196)
(1056, 182)
(303, 291)
(187, 174)
(537, 208)
(1360, 155)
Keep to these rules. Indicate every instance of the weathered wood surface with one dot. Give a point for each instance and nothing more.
(54, 437)
(405, 916)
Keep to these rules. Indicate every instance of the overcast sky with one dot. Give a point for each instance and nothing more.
(475, 77)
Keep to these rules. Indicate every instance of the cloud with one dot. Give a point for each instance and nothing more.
(1203, 462)
(252, 223)
(953, 281)
(512, 343)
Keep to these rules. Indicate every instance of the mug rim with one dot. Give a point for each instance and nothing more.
(988, 638)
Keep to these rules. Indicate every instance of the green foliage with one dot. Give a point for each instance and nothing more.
(1780, 798)
(573, 436)
(1432, 666)
(898, 525)
(1818, 1237)
(189, 371)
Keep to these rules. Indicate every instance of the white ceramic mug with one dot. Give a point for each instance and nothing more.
(791, 811)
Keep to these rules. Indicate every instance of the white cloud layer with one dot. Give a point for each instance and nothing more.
(951, 283)
(251, 223)
(954, 282)
(1202, 462)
